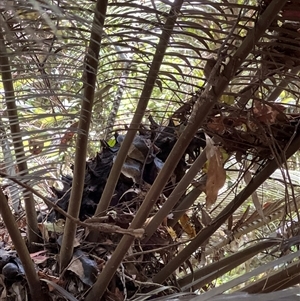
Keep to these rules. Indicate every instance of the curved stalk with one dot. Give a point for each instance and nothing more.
(91, 66)
(12, 112)
(20, 246)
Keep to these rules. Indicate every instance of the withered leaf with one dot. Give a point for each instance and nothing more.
(216, 176)
(187, 226)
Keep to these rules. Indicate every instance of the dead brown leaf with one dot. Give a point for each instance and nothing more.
(266, 113)
(216, 176)
(187, 226)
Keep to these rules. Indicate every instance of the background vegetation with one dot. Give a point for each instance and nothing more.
(219, 78)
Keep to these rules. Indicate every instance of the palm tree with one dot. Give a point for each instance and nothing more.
(211, 85)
